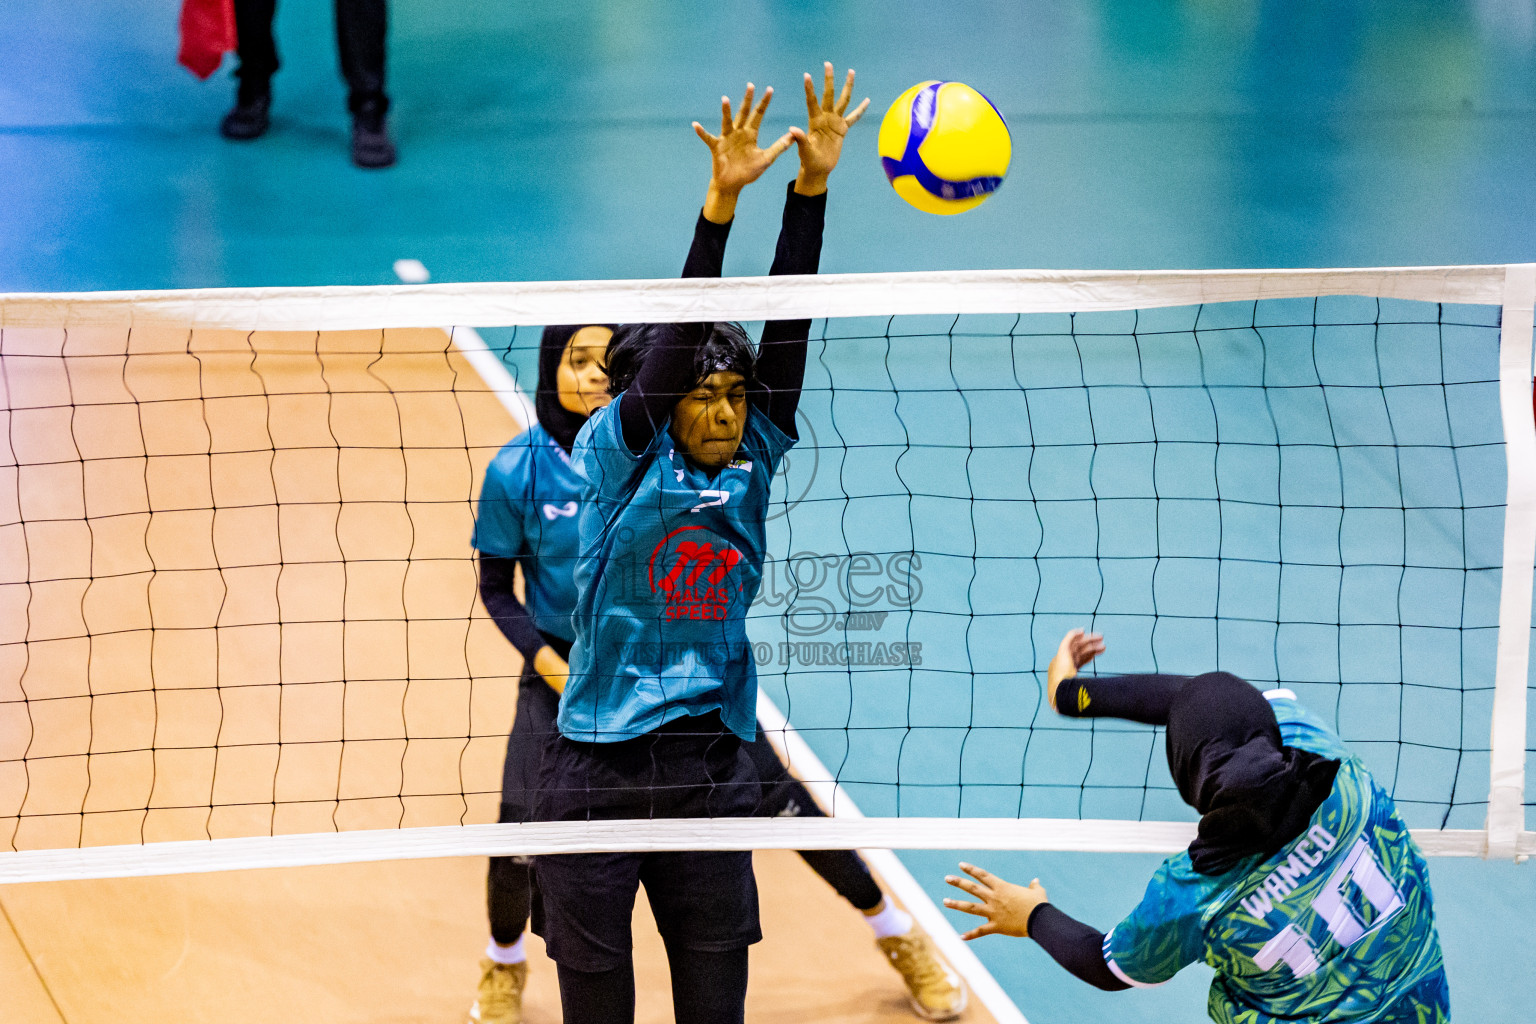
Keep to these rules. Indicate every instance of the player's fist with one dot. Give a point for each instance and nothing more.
(552, 667)
(1077, 649)
(1006, 906)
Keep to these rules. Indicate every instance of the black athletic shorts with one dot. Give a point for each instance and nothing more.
(537, 706)
(707, 901)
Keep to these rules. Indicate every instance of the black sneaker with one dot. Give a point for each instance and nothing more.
(248, 120)
(371, 146)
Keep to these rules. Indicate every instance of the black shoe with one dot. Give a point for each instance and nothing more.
(371, 146)
(248, 120)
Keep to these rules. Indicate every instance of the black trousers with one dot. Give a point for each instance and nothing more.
(360, 26)
(509, 885)
(705, 903)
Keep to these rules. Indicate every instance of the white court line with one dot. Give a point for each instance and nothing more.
(795, 751)
(495, 373)
(473, 347)
(798, 754)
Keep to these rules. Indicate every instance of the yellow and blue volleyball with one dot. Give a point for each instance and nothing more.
(944, 147)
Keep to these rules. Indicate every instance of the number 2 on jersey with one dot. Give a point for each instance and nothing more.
(715, 498)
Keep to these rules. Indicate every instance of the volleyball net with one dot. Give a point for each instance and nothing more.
(241, 627)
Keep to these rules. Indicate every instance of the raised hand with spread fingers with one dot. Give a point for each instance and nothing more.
(736, 160)
(1006, 906)
(821, 141)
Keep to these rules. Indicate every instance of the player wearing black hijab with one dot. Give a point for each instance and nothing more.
(527, 516)
(1302, 888)
(678, 379)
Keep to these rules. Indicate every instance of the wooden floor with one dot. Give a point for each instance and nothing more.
(237, 594)
(249, 608)
(379, 943)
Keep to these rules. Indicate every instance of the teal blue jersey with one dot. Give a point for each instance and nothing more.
(1334, 927)
(527, 512)
(671, 559)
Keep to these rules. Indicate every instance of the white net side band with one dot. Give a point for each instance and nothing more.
(1506, 797)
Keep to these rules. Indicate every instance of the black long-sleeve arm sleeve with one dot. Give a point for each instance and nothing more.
(1076, 946)
(668, 370)
(1138, 698)
(781, 356)
(706, 256)
(497, 576)
(665, 375)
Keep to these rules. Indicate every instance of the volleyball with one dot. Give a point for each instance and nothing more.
(944, 147)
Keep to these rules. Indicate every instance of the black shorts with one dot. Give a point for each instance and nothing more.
(705, 901)
(537, 706)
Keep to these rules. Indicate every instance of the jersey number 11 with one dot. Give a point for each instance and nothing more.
(1291, 946)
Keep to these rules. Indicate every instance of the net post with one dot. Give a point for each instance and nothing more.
(1506, 793)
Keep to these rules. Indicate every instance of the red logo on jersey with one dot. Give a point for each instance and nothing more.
(692, 573)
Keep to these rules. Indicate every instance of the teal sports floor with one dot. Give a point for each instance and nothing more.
(553, 142)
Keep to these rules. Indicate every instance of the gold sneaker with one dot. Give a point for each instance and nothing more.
(933, 988)
(500, 999)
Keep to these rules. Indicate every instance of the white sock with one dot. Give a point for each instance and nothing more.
(513, 954)
(890, 921)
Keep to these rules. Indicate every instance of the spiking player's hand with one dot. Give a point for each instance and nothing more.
(1006, 906)
(1077, 649)
(821, 141)
(735, 159)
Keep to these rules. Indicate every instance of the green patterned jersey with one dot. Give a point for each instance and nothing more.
(1334, 927)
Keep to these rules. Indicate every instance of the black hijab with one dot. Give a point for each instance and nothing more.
(562, 424)
(1254, 794)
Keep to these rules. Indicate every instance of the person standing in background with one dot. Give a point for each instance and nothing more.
(360, 28)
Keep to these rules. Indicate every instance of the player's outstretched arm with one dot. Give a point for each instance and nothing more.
(1077, 649)
(1144, 698)
(781, 356)
(1026, 912)
(736, 161)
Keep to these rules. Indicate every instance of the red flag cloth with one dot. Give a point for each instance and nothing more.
(207, 33)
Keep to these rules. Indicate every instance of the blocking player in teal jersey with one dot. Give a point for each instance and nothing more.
(527, 521)
(658, 707)
(1303, 888)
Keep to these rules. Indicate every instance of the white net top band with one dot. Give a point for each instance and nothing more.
(334, 308)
